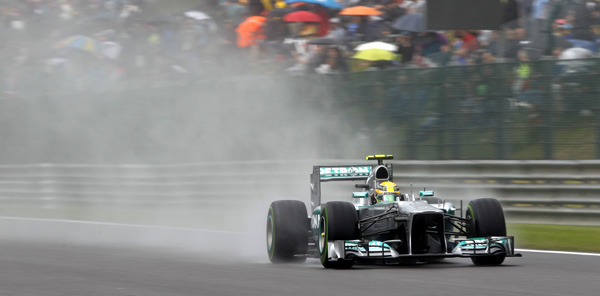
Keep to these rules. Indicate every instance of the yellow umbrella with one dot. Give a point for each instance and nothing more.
(375, 54)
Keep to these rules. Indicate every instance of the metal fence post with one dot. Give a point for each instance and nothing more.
(410, 125)
(596, 104)
(547, 125)
(505, 119)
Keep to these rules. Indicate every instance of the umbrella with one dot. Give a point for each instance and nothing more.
(84, 43)
(378, 45)
(302, 16)
(111, 50)
(360, 10)
(576, 53)
(197, 15)
(573, 59)
(410, 22)
(323, 41)
(375, 54)
(325, 3)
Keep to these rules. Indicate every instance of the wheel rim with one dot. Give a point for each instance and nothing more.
(270, 233)
(469, 216)
(322, 234)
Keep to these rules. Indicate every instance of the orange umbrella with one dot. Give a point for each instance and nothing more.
(250, 30)
(360, 10)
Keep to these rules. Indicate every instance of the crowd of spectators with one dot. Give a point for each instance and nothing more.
(133, 41)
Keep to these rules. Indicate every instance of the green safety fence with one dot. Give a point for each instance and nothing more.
(544, 109)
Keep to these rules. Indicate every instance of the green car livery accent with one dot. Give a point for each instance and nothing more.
(344, 172)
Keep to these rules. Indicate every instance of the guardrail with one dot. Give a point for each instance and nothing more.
(557, 192)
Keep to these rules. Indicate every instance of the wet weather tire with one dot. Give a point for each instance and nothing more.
(339, 221)
(486, 219)
(287, 231)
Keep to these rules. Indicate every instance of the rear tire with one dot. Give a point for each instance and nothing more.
(339, 221)
(486, 218)
(287, 231)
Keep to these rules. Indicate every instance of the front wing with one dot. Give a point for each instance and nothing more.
(472, 247)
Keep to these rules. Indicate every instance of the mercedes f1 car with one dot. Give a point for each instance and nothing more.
(383, 225)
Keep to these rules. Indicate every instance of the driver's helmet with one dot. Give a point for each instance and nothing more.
(387, 191)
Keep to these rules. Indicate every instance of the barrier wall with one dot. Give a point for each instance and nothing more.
(555, 192)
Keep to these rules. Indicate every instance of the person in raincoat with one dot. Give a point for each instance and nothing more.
(250, 31)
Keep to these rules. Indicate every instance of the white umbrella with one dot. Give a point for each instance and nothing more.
(111, 50)
(575, 53)
(575, 59)
(377, 45)
(197, 15)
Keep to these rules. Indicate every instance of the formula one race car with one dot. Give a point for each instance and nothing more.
(382, 225)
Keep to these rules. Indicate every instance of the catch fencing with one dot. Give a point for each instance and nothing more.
(546, 109)
(554, 192)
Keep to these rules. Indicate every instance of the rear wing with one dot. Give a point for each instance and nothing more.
(342, 173)
(337, 173)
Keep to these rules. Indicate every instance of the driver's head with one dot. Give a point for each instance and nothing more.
(387, 191)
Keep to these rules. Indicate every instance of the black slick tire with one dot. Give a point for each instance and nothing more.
(486, 218)
(339, 221)
(287, 231)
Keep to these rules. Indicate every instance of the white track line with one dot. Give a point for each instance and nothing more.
(119, 225)
(558, 252)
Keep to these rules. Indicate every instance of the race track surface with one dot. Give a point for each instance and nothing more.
(59, 269)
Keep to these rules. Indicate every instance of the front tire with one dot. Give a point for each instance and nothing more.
(287, 231)
(339, 221)
(486, 218)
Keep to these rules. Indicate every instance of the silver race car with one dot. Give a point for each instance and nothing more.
(382, 225)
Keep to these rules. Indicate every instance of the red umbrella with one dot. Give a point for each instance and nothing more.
(302, 16)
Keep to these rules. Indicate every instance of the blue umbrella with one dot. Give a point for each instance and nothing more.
(326, 3)
(410, 22)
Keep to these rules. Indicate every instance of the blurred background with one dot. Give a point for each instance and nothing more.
(140, 81)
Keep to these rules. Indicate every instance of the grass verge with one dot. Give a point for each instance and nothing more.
(556, 237)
